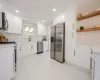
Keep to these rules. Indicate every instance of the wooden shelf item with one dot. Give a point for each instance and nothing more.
(92, 14)
(89, 29)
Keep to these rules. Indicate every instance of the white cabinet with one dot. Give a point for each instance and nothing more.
(41, 29)
(45, 45)
(96, 71)
(83, 56)
(17, 28)
(7, 69)
(9, 17)
(14, 24)
(96, 67)
(33, 47)
(4, 5)
(0, 5)
(26, 49)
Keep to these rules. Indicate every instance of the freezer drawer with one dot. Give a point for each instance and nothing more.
(52, 51)
(59, 52)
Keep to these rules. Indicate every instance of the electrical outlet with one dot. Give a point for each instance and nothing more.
(72, 34)
(73, 26)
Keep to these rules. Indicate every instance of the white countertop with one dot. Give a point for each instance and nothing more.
(96, 48)
(7, 45)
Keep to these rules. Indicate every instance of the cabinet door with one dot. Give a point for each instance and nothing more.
(33, 48)
(17, 25)
(4, 5)
(83, 56)
(14, 24)
(45, 45)
(6, 63)
(97, 67)
(10, 19)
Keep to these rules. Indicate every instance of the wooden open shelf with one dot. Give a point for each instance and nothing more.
(89, 29)
(92, 14)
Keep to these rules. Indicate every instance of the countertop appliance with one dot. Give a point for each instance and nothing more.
(39, 47)
(57, 51)
(3, 21)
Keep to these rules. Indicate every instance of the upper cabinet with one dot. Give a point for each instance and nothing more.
(14, 23)
(0, 5)
(42, 31)
(4, 5)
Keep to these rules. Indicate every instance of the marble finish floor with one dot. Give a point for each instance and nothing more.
(42, 67)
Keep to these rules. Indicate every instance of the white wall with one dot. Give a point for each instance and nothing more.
(90, 22)
(93, 37)
(59, 19)
(88, 38)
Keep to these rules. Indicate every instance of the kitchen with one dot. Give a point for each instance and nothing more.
(80, 46)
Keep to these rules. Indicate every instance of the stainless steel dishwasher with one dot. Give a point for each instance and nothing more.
(39, 47)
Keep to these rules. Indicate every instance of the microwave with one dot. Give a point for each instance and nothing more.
(3, 21)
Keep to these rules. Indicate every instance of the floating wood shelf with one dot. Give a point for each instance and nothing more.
(92, 14)
(89, 29)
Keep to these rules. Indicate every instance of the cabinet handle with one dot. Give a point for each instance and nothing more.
(20, 49)
(74, 53)
(31, 46)
(91, 63)
(91, 52)
(93, 70)
(72, 34)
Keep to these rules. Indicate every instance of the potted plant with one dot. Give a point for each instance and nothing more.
(81, 28)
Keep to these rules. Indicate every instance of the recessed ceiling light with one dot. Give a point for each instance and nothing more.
(17, 11)
(54, 10)
(42, 20)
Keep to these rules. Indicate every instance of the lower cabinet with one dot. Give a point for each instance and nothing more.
(27, 48)
(32, 47)
(45, 46)
(96, 66)
(7, 64)
(83, 56)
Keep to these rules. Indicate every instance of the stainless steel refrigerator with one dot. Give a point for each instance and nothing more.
(57, 51)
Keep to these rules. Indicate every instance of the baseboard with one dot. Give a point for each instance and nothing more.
(75, 65)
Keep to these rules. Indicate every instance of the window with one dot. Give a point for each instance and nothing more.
(28, 30)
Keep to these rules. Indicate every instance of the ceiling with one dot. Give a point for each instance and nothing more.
(37, 10)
